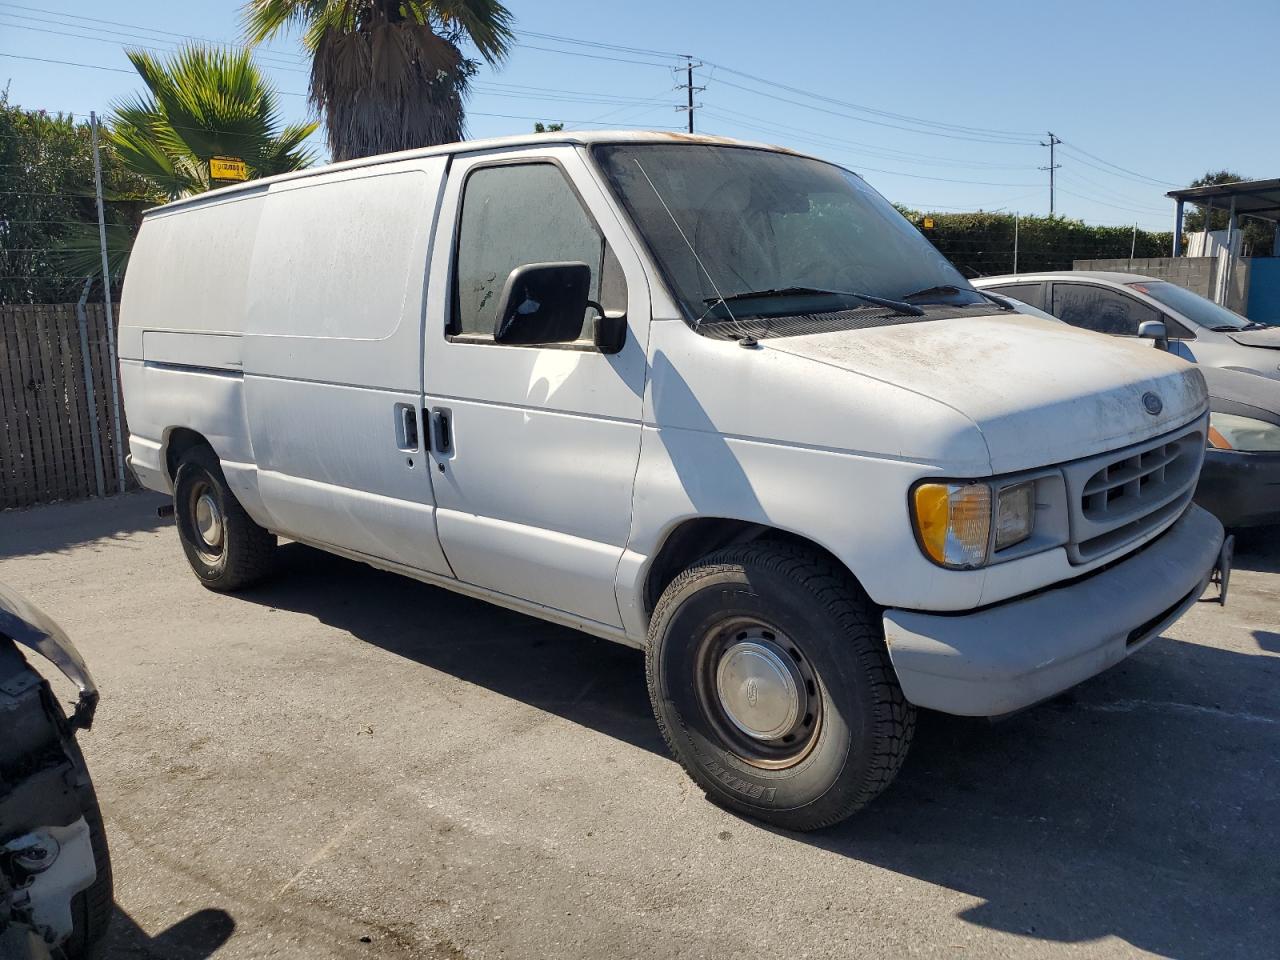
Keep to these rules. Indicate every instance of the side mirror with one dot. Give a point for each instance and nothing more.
(543, 303)
(1154, 330)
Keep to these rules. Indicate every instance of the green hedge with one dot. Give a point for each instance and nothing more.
(982, 244)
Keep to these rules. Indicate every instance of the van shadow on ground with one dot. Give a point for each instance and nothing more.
(61, 526)
(194, 938)
(1143, 805)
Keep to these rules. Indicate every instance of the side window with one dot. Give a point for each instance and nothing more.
(524, 213)
(1099, 309)
(1175, 330)
(1029, 293)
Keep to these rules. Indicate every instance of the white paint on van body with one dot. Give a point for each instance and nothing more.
(570, 468)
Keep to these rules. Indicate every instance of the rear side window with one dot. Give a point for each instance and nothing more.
(1029, 293)
(524, 213)
(1100, 309)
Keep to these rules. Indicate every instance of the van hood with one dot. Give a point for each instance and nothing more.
(1268, 338)
(1039, 391)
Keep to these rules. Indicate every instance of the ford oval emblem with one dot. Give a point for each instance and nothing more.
(1152, 403)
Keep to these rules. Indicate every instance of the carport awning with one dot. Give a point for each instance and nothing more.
(1256, 198)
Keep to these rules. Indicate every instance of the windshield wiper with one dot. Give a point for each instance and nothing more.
(898, 306)
(945, 288)
(940, 288)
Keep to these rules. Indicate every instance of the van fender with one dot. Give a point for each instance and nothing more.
(851, 505)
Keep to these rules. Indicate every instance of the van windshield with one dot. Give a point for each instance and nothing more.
(776, 234)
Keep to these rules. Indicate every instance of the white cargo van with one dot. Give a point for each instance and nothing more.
(715, 400)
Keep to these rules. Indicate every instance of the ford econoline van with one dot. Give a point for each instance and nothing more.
(715, 400)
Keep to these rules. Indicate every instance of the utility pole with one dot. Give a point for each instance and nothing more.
(118, 443)
(689, 88)
(1053, 142)
(1016, 218)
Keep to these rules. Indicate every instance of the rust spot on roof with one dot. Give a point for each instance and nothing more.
(708, 138)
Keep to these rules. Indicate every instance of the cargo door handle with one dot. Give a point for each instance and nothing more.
(442, 430)
(407, 427)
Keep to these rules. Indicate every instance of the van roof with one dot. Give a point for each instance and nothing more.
(477, 146)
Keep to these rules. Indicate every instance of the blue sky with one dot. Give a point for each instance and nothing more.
(1136, 88)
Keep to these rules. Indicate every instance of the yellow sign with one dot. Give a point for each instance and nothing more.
(228, 168)
(928, 223)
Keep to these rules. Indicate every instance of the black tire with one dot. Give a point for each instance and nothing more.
(242, 553)
(850, 724)
(91, 909)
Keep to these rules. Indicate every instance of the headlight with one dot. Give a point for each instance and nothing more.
(954, 520)
(1244, 434)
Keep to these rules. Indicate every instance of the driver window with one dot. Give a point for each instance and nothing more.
(515, 214)
(1100, 309)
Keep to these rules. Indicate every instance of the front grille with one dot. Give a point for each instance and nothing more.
(1118, 497)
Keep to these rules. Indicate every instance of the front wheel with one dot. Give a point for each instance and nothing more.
(771, 684)
(225, 548)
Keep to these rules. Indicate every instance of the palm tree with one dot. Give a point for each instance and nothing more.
(388, 74)
(204, 102)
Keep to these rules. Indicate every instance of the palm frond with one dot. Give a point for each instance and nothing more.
(203, 102)
(79, 252)
(487, 24)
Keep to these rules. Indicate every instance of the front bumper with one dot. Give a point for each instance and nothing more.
(1009, 656)
(1240, 489)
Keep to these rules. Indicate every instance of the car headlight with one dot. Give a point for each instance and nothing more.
(1227, 431)
(962, 524)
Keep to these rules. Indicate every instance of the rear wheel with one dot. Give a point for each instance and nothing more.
(771, 683)
(225, 548)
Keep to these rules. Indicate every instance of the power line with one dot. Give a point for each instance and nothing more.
(606, 99)
(295, 58)
(274, 60)
(525, 86)
(1131, 173)
(878, 123)
(1084, 183)
(66, 63)
(1115, 206)
(658, 98)
(884, 153)
(592, 56)
(914, 176)
(516, 116)
(135, 43)
(600, 45)
(990, 135)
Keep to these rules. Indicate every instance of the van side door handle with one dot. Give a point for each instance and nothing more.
(407, 427)
(442, 431)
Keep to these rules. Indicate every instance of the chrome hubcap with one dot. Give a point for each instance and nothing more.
(209, 521)
(760, 689)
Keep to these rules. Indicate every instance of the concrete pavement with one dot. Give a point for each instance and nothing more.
(345, 763)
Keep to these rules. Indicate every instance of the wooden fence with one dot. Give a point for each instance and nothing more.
(47, 425)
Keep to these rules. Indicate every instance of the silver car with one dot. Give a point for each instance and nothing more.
(1119, 303)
